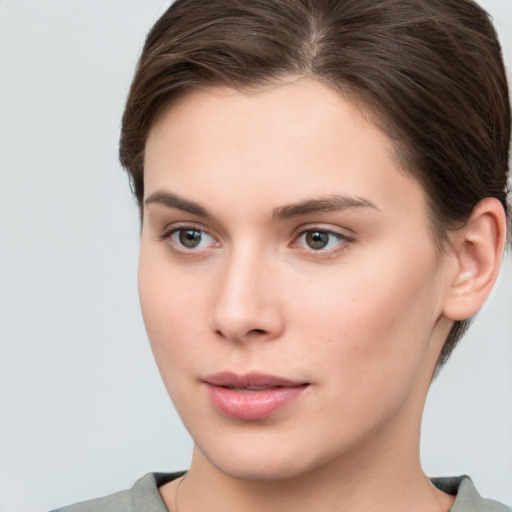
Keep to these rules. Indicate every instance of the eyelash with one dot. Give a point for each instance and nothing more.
(343, 240)
(178, 247)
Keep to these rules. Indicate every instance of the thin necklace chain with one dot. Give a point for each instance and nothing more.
(176, 495)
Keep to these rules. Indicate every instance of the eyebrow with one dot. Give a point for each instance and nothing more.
(321, 205)
(176, 202)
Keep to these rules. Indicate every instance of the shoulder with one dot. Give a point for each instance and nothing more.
(115, 502)
(142, 497)
(468, 499)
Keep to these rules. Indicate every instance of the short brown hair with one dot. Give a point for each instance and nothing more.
(429, 71)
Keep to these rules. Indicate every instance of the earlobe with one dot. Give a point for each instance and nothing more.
(477, 249)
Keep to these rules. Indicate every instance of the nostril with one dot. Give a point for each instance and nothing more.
(257, 332)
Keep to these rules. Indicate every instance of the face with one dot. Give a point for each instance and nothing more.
(289, 280)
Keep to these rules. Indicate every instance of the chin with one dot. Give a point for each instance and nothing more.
(265, 461)
(268, 470)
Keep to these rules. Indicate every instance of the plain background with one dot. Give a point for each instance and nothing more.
(82, 409)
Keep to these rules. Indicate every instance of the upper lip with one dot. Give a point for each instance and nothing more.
(250, 380)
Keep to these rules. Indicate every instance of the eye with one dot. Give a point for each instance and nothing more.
(189, 239)
(321, 240)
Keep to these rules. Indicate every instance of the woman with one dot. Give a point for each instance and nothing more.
(322, 188)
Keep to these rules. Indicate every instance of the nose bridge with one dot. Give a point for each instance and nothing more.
(246, 304)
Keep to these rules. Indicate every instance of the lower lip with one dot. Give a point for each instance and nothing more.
(252, 405)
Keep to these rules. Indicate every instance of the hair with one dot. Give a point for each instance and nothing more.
(430, 73)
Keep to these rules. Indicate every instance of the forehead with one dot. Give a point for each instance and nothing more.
(291, 108)
(284, 141)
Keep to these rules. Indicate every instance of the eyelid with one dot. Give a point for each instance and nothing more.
(338, 233)
(171, 229)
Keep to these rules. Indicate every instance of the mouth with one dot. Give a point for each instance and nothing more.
(251, 396)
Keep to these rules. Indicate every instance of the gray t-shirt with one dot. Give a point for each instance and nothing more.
(144, 497)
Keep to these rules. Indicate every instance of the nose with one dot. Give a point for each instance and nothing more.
(247, 303)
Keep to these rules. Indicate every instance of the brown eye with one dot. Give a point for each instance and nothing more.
(190, 238)
(317, 240)
(322, 241)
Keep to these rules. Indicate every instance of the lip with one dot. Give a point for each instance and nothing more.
(251, 396)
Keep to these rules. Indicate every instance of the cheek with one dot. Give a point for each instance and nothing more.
(372, 327)
(171, 310)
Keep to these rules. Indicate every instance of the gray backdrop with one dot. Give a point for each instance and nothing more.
(82, 409)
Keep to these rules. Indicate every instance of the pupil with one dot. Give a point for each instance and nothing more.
(190, 237)
(317, 239)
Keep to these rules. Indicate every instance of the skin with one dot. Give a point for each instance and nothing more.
(361, 321)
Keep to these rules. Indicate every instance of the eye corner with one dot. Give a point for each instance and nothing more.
(188, 239)
(321, 241)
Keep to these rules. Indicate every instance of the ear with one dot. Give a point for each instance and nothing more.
(477, 249)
